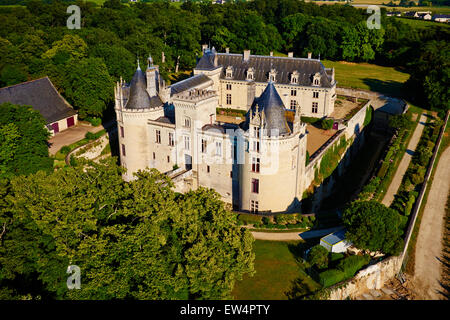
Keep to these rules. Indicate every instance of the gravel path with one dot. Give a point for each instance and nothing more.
(288, 236)
(404, 163)
(428, 255)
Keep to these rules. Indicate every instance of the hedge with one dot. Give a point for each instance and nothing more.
(350, 265)
(249, 218)
(330, 277)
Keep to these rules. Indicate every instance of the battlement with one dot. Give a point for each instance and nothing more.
(195, 95)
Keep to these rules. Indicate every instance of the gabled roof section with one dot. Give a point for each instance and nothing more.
(284, 67)
(206, 62)
(42, 96)
(189, 83)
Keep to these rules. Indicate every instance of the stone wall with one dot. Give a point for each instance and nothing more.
(372, 277)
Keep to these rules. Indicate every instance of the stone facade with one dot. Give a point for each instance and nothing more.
(258, 165)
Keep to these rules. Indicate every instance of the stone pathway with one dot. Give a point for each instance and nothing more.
(404, 163)
(428, 255)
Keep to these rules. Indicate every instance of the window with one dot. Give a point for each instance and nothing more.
(231, 174)
(255, 185)
(315, 107)
(207, 169)
(256, 146)
(123, 150)
(204, 145)
(255, 164)
(228, 98)
(218, 148)
(229, 72)
(316, 82)
(171, 139)
(293, 104)
(187, 122)
(254, 206)
(234, 149)
(250, 73)
(122, 132)
(315, 94)
(293, 92)
(256, 132)
(158, 136)
(154, 156)
(228, 86)
(186, 143)
(168, 158)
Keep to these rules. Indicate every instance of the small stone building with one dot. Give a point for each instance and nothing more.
(43, 97)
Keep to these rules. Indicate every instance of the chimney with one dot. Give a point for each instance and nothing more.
(290, 54)
(227, 50)
(309, 55)
(246, 55)
(216, 60)
(271, 53)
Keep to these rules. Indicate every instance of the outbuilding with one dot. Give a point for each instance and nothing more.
(335, 242)
(42, 95)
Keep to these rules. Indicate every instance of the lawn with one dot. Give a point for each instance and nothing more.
(368, 76)
(276, 271)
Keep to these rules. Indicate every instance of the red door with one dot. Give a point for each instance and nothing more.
(70, 122)
(55, 127)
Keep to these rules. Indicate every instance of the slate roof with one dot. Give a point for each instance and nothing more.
(139, 97)
(272, 106)
(42, 96)
(262, 65)
(189, 83)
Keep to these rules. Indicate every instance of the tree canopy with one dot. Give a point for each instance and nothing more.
(23, 141)
(373, 226)
(136, 240)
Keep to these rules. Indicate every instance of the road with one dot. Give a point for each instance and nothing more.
(429, 248)
(404, 163)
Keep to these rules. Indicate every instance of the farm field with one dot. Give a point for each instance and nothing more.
(422, 23)
(276, 270)
(368, 76)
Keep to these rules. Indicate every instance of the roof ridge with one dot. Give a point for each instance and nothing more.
(18, 84)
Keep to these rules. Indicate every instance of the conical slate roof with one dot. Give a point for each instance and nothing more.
(139, 98)
(272, 106)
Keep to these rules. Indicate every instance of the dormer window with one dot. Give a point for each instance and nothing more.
(250, 74)
(229, 72)
(294, 77)
(316, 79)
(273, 75)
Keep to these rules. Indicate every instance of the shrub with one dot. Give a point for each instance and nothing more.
(90, 136)
(249, 218)
(94, 121)
(326, 124)
(265, 220)
(331, 277)
(65, 150)
(318, 256)
(335, 256)
(350, 265)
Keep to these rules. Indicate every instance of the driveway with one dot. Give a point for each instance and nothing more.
(73, 134)
(428, 255)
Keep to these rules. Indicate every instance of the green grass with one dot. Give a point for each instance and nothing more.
(368, 76)
(276, 270)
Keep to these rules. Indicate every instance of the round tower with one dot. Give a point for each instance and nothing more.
(273, 157)
(137, 103)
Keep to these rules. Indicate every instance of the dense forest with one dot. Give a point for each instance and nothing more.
(84, 63)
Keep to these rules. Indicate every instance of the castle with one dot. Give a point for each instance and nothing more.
(258, 164)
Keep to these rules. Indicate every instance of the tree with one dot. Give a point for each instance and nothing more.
(71, 44)
(23, 141)
(372, 226)
(318, 256)
(136, 240)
